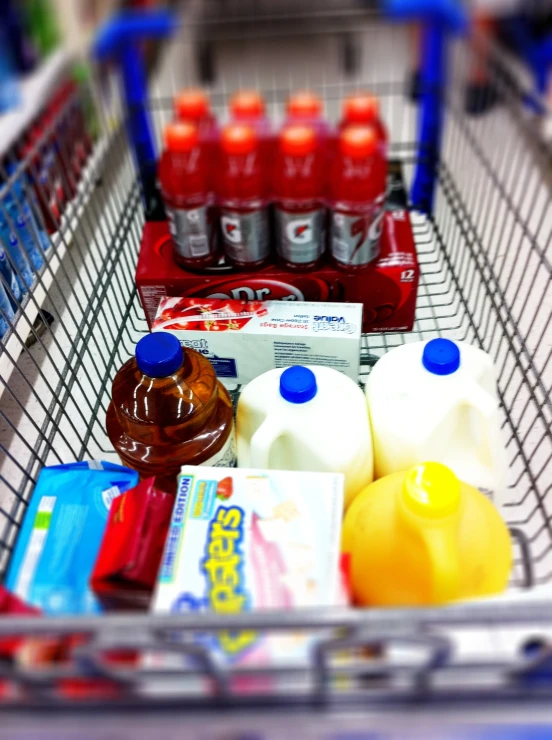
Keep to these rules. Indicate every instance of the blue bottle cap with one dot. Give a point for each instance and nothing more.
(159, 354)
(441, 357)
(298, 384)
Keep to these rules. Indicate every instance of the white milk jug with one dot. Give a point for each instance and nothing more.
(306, 418)
(437, 401)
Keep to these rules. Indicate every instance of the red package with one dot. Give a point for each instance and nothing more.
(11, 605)
(132, 547)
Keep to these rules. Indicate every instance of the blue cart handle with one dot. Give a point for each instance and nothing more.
(450, 14)
(119, 40)
(438, 18)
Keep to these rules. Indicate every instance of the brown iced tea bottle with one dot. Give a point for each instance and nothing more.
(168, 409)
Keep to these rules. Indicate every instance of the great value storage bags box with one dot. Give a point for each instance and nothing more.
(243, 540)
(243, 339)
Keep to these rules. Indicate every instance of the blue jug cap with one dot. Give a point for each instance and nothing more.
(159, 354)
(441, 357)
(298, 384)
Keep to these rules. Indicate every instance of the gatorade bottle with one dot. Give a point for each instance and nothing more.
(42, 177)
(363, 109)
(183, 178)
(298, 188)
(192, 106)
(60, 154)
(305, 107)
(241, 191)
(167, 410)
(248, 106)
(358, 181)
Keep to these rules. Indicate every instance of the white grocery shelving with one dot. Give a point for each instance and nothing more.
(35, 90)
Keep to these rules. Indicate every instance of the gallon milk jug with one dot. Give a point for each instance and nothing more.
(422, 537)
(438, 401)
(306, 418)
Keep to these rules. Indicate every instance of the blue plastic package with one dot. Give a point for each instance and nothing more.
(13, 246)
(61, 535)
(6, 310)
(9, 85)
(25, 205)
(6, 270)
(25, 225)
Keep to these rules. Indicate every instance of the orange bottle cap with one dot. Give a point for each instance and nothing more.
(181, 136)
(247, 104)
(363, 108)
(304, 104)
(192, 105)
(358, 141)
(298, 140)
(238, 139)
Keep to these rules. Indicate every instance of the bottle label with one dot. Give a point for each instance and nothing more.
(191, 230)
(300, 237)
(356, 238)
(245, 235)
(226, 456)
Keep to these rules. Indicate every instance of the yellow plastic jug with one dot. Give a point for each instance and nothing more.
(424, 537)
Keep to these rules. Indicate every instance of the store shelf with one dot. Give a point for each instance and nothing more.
(12, 344)
(35, 91)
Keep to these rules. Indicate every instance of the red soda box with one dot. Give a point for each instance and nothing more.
(386, 288)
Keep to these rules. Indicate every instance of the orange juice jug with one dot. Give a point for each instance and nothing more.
(423, 537)
(167, 410)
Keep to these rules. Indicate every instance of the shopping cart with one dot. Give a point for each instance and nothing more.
(484, 251)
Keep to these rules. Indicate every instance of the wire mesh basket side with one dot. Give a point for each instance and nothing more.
(77, 298)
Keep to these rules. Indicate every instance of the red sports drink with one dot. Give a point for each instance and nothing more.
(42, 179)
(60, 141)
(241, 191)
(248, 106)
(184, 185)
(298, 188)
(358, 183)
(305, 107)
(363, 109)
(82, 140)
(192, 105)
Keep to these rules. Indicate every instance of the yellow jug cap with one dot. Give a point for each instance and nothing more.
(431, 490)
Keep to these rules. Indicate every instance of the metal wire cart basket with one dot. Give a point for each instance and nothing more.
(483, 229)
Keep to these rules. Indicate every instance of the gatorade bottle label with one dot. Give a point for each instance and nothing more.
(356, 238)
(245, 235)
(191, 230)
(300, 237)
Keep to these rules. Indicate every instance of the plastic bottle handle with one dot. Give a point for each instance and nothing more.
(442, 545)
(479, 400)
(262, 441)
